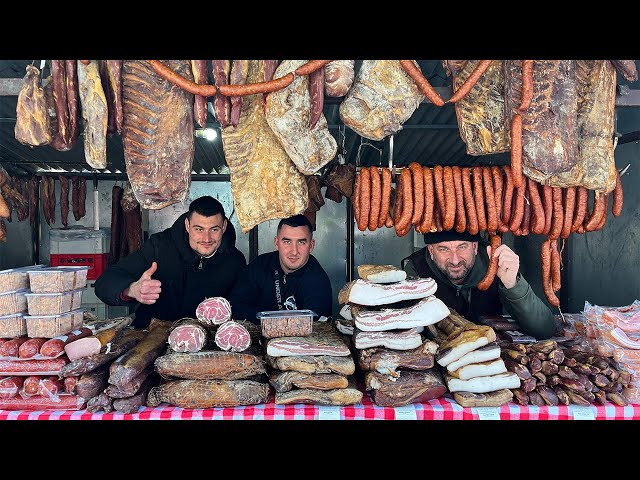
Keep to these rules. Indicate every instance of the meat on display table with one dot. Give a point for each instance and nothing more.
(439, 409)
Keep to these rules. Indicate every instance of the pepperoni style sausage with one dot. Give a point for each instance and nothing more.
(55, 346)
(50, 386)
(365, 198)
(497, 192)
(582, 202)
(376, 197)
(184, 83)
(423, 84)
(555, 265)
(418, 192)
(310, 67)
(471, 80)
(547, 201)
(526, 216)
(385, 201)
(604, 215)
(618, 195)
(478, 197)
(518, 208)
(490, 276)
(449, 199)
(558, 214)
(470, 206)
(31, 384)
(461, 216)
(508, 196)
(437, 220)
(490, 200)
(596, 214)
(438, 184)
(356, 199)
(569, 206)
(427, 216)
(545, 258)
(516, 150)
(538, 217)
(10, 386)
(527, 85)
(404, 224)
(10, 348)
(397, 200)
(31, 347)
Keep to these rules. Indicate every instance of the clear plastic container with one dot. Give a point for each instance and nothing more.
(49, 326)
(13, 325)
(15, 278)
(286, 323)
(57, 279)
(53, 303)
(13, 302)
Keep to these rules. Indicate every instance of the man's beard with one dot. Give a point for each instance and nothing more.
(462, 275)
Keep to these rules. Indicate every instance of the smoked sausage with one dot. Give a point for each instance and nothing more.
(478, 197)
(516, 150)
(547, 199)
(555, 265)
(376, 196)
(470, 207)
(418, 192)
(558, 213)
(582, 202)
(490, 276)
(438, 184)
(618, 195)
(356, 199)
(397, 200)
(596, 214)
(404, 224)
(527, 85)
(471, 80)
(427, 216)
(449, 199)
(497, 191)
(365, 198)
(545, 257)
(508, 195)
(490, 200)
(461, 216)
(518, 208)
(423, 84)
(385, 201)
(569, 205)
(537, 218)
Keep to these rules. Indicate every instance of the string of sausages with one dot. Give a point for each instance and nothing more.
(481, 198)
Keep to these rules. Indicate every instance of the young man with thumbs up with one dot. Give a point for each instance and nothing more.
(178, 267)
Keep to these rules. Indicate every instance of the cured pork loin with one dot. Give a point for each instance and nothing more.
(231, 336)
(213, 311)
(209, 365)
(265, 183)
(481, 113)
(381, 99)
(408, 387)
(288, 114)
(94, 114)
(285, 381)
(32, 119)
(549, 125)
(187, 335)
(209, 393)
(157, 133)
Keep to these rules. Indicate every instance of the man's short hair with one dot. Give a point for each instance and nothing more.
(206, 206)
(451, 236)
(296, 221)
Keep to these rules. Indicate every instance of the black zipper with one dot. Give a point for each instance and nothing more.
(200, 264)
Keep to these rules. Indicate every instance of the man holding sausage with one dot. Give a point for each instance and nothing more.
(458, 261)
(177, 268)
(289, 278)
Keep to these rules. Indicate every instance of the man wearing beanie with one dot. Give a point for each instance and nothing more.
(458, 261)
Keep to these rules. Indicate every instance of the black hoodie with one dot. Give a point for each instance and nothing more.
(187, 277)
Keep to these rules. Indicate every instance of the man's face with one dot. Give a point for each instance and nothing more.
(294, 245)
(205, 233)
(455, 259)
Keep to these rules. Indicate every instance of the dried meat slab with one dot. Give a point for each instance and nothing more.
(157, 133)
(408, 387)
(481, 112)
(324, 340)
(387, 361)
(265, 183)
(285, 381)
(337, 396)
(209, 365)
(549, 125)
(314, 364)
(209, 393)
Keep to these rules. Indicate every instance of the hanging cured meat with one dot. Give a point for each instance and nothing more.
(32, 121)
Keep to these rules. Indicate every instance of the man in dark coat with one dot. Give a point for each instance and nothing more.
(177, 268)
(457, 263)
(288, 279)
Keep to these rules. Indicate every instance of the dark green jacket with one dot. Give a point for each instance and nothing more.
(524, 306)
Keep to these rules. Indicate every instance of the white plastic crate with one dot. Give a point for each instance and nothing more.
(76, 240)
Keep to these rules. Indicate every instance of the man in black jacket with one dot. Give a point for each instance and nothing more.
(458, 261)
(288, 279)
(177, 268)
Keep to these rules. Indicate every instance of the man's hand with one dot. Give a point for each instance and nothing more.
(508, 265)
(145, 289)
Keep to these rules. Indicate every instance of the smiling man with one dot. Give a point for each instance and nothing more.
(458, 261)
(177, 268)
(289, 278)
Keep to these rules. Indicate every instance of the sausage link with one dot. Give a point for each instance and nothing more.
(490, 199)
(449, 199)
(386, 196)
(478, 197)
(418, 192)
(518, 208)
(437, 219)
(526, 216)
(461, 216)
(537, 218)
(356, 198)
(497, 192)
(365, 198)
(423, 84)
(311, 66)
(470, 206)
(389, 221)
(582, 202)
(427, 216)
(508, 195)
(558, 214)
(603, 221)
(397, 200)
(258, 87)
(471, 80)
(596, 213)
(403, 226)
(177, 79)
(545, 258)
(547, 199)
(490, 276)
(618, 195)
(555, 265)
(569, 206)
(438, 183)
(527, 85)
(316, 94)
(376, 197)
(516, 150)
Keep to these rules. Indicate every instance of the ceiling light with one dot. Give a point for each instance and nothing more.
(209, 133)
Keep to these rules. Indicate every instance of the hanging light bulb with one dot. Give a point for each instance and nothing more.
(208, 133)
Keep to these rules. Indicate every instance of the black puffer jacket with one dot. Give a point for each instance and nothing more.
(187, 278)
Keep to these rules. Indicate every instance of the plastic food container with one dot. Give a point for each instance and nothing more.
(53, 303)
(13, 325)
(15, 278)
(13, 302)
(57, 279)
(286, 323)
(49, 326)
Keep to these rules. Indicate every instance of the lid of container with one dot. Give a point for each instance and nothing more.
(285, 313)
(53, 294)
(11, 315)
(77, 310)
(21, 291)
(77, 232)
(73, 267)
(21, 269)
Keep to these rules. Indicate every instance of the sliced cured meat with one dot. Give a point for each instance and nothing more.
(427, 311)
(483, 384)
(325, 340)
(387, 361)
(285, 381)
(363, 292)
(214, 311)
(400, 340)
(381, 273)
(481, 369)
(314, 364)
(187, 335)
(232, 336)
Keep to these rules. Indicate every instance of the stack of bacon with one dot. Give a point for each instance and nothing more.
(389, 312)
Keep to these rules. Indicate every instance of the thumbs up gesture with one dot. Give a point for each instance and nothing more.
(145, 290)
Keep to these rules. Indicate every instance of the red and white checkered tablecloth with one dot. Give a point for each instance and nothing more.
(442, 408)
